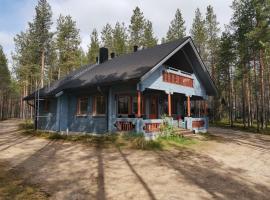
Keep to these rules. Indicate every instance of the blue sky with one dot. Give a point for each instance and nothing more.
(89, 14)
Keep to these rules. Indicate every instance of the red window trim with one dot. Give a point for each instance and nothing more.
(78, 112)
(94, 106)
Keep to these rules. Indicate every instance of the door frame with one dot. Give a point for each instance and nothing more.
(154, 115)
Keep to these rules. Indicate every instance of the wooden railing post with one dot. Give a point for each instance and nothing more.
(169, 105)
(188, 106)
(139, 103)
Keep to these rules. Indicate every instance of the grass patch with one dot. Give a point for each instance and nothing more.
(13, 187)
(125, 140)
(176, 141)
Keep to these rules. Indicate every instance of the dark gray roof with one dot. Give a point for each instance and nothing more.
(125, 67)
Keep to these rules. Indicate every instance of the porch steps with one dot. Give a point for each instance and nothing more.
(184, 132)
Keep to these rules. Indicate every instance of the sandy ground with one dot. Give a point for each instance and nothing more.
(233, 165)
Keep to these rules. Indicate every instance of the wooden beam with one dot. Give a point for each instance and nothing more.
(169, 105)
(205, 107)
(188, 106)
(139, 103)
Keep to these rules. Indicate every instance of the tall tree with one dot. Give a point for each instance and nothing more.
(177, 29)
(40, 29)
(107, 37)
(225, 65)
(260, 35)
(67, 43)
(212, 29)
(93, 48)
(4, 83)
(120, 39)
(199, 34)
(136, 28)
(149, 40)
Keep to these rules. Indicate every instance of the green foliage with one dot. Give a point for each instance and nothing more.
(120, 39)
(167, 128)
(199, 34)
(212, 30)
(107, 37)
(67, 44)
(177, 27)
(149, 39)
(4, 72)
(93, 49)
(136, 28)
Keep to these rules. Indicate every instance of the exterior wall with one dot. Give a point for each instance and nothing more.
(88, 123)
(62, 116)
(155, 81)
(47, 120)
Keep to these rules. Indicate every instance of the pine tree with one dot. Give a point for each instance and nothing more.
(107, 37)
(149, 39)
(225, 65)
(4, 84)
(212, 40)
(4, 72)
(177, 27)
(93, 48)
(136, 28)
(40, 30)
(67, 43)
(119, 39)
(198, 33)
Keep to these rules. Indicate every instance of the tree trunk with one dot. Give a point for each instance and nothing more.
(262, 90)
(244, 96)
(256, 94)
(42, 68)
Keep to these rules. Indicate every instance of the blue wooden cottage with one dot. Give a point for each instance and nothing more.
(131, 92)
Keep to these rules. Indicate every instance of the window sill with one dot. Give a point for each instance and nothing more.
(81, 115)
(99, 115)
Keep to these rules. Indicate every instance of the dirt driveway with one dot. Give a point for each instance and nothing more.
(232, 165)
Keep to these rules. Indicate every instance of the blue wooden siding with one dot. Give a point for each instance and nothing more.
(47, 120)
(62, 116)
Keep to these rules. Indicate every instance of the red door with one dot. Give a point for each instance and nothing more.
(153, 111)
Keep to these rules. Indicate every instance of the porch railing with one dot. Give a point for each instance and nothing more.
(153, 125)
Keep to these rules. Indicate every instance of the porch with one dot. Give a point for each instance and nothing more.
(145, 111)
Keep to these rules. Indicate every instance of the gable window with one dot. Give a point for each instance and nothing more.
(82, 105)
(46, 105)
(124, 105)
(99, 105)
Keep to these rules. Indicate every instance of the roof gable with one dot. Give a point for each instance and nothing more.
(137, 65)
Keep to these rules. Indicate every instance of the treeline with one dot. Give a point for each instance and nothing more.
(244, 65)
(237, 59)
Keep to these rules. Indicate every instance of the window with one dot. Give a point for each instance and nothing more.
(99, 105)
(124, 105)
(82, 105)
(46, 105)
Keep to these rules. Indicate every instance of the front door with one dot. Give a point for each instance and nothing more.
(153, 111)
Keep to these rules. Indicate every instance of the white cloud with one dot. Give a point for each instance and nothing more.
(91, 14)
